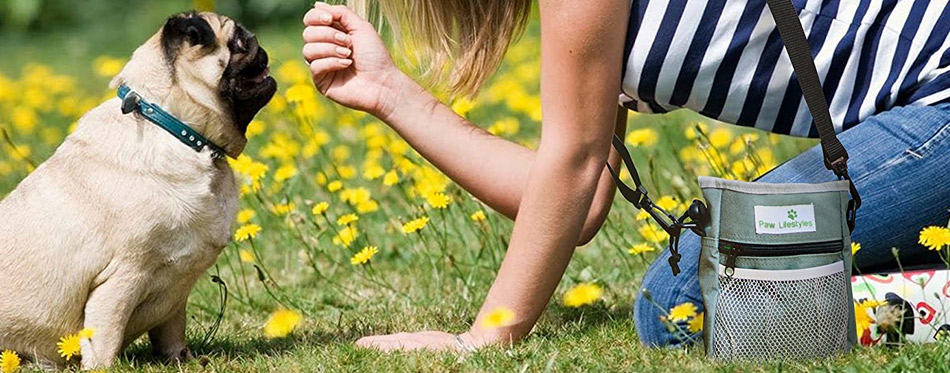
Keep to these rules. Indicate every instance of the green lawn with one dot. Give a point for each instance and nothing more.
(434, 279)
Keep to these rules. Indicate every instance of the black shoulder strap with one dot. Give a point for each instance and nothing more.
(793, 35)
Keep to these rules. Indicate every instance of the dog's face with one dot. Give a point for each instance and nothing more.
(207, 69)
(219, 52)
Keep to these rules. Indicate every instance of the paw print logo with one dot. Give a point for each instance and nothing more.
(792, 214)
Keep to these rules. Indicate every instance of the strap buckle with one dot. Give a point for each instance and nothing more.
(696, 217)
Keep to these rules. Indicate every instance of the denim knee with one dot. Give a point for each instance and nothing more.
(661, 291)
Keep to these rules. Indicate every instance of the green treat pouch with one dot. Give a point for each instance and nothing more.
(775, 270)
(775, 263)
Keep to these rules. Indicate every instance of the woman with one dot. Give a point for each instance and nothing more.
(723, 59)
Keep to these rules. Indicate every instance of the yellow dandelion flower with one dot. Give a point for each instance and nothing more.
(334, 186)
(346, 172)
(281, 323)
(347, 219)
(855, 247)
(346, 236)
(282, 209)
(720, 137)
(643, 137)
(391, 178)
(582, 295)
(872, 303)
(438, 200)
(364, 255)
(641, 248)
(246, 256)
(373, 172)
(667, 203)
(652, 233)
(68, 346)
(415, 225)
(367, 206)
(695, 324)
(245, 216)
(682, 312)
(462, 106)
(254, 128)
(285, 172)
(642, 215)
(478, 216)
(9, 362)
(320, 208)
(934, 238)
(499, 317)
(862, 318)
(86, 333)
(246, 232)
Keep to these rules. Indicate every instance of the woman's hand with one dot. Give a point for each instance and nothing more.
(348, 61)
(437, 341)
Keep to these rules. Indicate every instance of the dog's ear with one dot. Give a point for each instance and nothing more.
(188, 28)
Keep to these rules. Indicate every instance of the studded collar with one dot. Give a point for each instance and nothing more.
(133, 102)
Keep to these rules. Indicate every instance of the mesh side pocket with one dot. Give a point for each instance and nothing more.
(774, 315)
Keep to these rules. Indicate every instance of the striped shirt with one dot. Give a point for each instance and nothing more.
(725, 59)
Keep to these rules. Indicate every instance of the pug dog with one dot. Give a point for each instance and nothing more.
(114, 229)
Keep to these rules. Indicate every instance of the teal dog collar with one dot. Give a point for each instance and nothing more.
(132, 101)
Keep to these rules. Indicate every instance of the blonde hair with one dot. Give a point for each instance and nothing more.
(471, 36)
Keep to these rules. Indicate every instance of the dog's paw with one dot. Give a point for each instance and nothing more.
(180, 356)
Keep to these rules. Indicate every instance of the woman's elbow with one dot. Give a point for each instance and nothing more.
(595, 220)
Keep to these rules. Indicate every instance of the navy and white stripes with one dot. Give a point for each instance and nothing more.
(725, 59)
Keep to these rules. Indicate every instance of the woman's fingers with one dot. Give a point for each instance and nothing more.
(325, 34)
(327, 65)
(324, 14)
(314, 51)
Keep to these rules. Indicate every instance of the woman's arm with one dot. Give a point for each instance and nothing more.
(492, 168)
(580, 78)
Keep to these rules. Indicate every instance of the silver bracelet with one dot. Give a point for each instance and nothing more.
(460, 343)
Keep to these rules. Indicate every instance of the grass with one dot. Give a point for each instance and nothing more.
(432, 280)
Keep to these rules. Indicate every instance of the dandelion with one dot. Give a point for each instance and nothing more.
(366, 207)
(478, 216)
(364, 255)
(935, 238)
(582, 295)
(499, 317)
(334, 186)
(373, 172)
(246, 232)
(855, 247)
(245, 216)
(888, 317)
(282, 209)
(652, 233)
(9, 362)
(391, 178)
(438, 200)
(642, 215)
(284, 173)
(346, 236)
(246, 256)
(320, 208)
(862, 319)
(682, 312)
(720, 137)
(415, 225)
(641, 248)
(667, 203)
(68, 346)
(643, 137)
(695, 324)
(347, 219)
(86, 333)
(281, 323)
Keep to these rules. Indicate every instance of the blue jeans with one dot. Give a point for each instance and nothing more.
(900, 163)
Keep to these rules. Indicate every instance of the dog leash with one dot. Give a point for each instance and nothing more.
(133, 102)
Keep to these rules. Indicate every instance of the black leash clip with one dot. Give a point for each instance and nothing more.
(695, 219)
